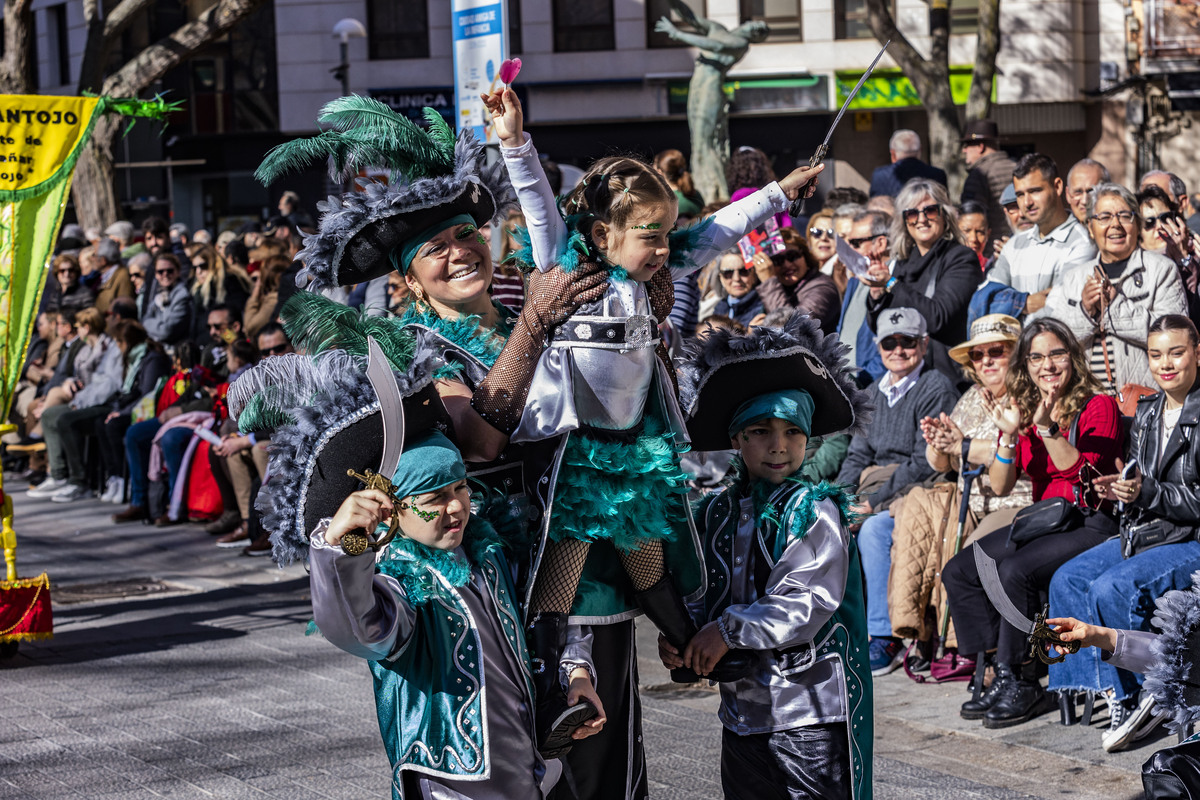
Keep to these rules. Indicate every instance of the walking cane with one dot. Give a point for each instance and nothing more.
(968, 478)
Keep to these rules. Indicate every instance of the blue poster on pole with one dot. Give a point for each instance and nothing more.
(479, 48)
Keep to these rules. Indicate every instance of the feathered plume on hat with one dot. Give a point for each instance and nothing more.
(323, 418)
(434, 176)
(1173, 680)
(723, 369)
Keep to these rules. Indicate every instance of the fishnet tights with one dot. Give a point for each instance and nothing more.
(562, 566)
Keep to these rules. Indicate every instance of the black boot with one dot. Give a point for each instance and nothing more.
(983, 699)
(666, 610)
(1021, 699)
(546, 636)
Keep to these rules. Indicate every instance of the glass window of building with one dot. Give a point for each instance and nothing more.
(581, 25)
(397, 29)
(782, 15)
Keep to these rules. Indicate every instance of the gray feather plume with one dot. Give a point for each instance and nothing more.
(1173, 680)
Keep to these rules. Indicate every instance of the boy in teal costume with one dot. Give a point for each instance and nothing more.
(436, 618)
(784, 579)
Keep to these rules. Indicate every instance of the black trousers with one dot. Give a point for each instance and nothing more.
(610, 765)
(1025, 573)
(808, 763)
(74, 427)
(112, 443)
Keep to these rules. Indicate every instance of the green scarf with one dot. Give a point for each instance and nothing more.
(406, 561)
(134, 361)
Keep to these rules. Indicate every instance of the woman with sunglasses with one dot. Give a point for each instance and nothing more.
(1060, 429)
(1109, 303)
(933, 272)
(1165, 231)
(793, 280)
(739, 280)
(822, 241)
(214, 282)
(1116, 583)
(66, 291)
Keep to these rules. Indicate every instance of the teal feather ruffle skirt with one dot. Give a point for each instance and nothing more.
(623, 492)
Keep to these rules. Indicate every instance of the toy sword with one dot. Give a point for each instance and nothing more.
(797, 208)
(1039, 632)
(391, 412)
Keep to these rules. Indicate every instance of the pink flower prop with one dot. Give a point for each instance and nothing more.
(509, 70)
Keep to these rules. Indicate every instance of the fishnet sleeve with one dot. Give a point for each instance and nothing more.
(553, 296)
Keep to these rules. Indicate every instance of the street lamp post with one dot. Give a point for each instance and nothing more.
(343, 31)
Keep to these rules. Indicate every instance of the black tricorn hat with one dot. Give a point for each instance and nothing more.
(434, 176)
(723, 370)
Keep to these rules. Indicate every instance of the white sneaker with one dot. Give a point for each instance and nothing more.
(1129, 725)
(70, 493)
(108, 490)
(47, 488)
(118, 495)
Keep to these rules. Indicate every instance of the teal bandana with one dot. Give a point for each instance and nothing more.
(402, 257)
(794, 405)
(428, 464)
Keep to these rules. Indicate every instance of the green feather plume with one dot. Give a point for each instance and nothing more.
(364, 132)
(263, 413)
(316, 324)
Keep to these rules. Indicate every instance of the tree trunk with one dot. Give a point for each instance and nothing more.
(15, 67)
(93, 189)
(931, 78)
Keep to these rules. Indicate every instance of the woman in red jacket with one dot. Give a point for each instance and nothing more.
(1058, 428)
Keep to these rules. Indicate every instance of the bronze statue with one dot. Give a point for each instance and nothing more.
(707, 106)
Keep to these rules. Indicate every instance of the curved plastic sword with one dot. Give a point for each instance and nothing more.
(1038, 631)
(797, 208)
(391, 407)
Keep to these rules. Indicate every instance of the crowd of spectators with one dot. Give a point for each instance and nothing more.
(1036, 333)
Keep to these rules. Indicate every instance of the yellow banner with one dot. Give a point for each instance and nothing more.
(39, 136)
(40, 141)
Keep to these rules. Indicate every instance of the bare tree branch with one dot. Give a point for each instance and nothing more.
(120, 17)
(150, 64)
(979, 102)
(879, 18)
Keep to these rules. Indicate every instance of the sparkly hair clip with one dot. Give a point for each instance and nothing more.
(651, 226)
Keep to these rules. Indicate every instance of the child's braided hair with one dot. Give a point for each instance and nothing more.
(614, 188)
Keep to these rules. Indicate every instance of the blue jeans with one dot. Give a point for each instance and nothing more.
(875, 549)
(138, 439)
(174, 444)
(1101, 588)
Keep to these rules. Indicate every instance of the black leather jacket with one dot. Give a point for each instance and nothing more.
(1168, 508)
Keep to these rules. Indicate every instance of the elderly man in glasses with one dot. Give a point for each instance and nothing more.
(891, 458)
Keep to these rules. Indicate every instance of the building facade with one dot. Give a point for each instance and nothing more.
(598, 78)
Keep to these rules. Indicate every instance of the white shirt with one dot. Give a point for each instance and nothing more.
(1032, 263)
(894, 389)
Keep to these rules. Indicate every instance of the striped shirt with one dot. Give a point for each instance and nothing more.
(1032, 263)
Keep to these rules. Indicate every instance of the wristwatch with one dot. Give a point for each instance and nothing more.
(1048, 432)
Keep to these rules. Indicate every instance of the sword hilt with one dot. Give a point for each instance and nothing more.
(1043, 634)
(373, 480)
(797, 207)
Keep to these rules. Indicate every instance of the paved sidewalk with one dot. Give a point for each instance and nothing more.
(211, 689)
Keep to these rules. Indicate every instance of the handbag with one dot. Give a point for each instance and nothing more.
(1045, 517)
(1049, 516)
(1173, 772)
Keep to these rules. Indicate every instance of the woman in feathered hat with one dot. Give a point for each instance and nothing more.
(784, 578)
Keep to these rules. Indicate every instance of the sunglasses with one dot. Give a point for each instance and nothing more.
(857, 244)
(164, 271)
(821, 233)
(1089, 496)
(277, 350)
(66, 271)
(787, 255)
(995, 352)
(728, 274)
(931, 211)
(1151, 223)
(136, 276)
(890, 343)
